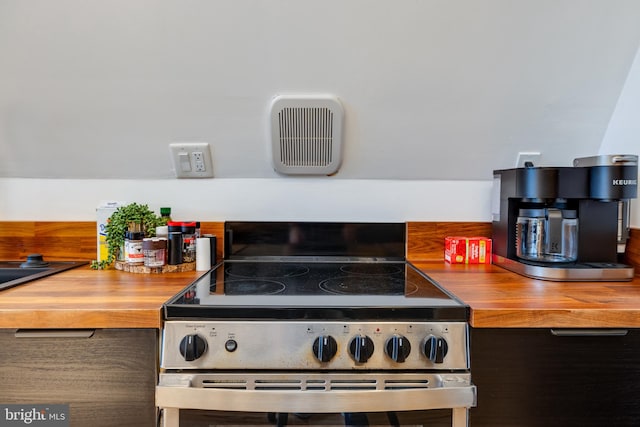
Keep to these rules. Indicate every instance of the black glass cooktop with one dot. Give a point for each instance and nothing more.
(244, 289)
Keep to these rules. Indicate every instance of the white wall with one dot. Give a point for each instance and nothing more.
(623, 133)
(252, 199)
(432, 89)
(437, 94)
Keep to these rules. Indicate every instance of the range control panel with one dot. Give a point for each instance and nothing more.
(315, 345)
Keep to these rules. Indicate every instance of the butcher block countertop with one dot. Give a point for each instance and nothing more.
(85, 298)
(501, 299)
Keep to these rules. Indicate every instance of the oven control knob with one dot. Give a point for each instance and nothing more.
(361, 348)
(398, 348)
(192, 347)
(325, 347)
(435, 348)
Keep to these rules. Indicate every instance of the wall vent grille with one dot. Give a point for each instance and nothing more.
(306, 135)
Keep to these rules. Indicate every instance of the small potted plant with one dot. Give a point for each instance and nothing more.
(132, 215)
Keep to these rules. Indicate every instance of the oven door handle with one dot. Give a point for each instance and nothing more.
(314, 401)
(182, 391)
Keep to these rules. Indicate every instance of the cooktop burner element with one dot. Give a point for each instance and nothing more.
(363, 285)
(254, 287)
(266, 271)
(371, 269)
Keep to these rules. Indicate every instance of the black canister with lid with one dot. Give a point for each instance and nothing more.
(174, 226)
(175, 248)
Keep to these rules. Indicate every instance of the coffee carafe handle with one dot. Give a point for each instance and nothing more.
(554, 231)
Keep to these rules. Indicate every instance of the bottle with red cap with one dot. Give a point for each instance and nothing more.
(188, 231)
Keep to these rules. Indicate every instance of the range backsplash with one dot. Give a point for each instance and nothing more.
(72, 240)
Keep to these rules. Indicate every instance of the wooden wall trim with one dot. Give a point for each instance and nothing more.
(54, 240)
(425, 240)
(77, 240)
(66, 240)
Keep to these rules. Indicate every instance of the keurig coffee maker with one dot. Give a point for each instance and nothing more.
(565, 223)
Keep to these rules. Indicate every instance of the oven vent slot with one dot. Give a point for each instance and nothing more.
(306, 134)
(224, 383)
(354, 384)
(405, 384)
(277, 385)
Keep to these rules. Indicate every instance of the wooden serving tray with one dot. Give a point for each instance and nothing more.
(139, 268)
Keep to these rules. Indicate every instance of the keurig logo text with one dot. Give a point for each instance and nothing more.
(625, 182)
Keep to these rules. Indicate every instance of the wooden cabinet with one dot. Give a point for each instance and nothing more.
(106, 376)
(540, 377)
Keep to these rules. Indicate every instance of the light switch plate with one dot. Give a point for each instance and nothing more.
(191, 159)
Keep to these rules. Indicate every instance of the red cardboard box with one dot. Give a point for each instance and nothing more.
(467, 250)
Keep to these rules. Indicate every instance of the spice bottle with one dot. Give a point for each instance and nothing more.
(188, 241)
(165, 214)
(162, 231)
(154, 252)
(133, 247)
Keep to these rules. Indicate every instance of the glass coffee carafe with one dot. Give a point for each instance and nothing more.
(547, 234)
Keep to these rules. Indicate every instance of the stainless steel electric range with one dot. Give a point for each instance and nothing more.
(315, 318)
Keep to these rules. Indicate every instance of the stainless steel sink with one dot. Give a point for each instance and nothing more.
(14, 273)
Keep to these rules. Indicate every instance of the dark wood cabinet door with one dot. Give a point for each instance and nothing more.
(106, 376)
(533, 377)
